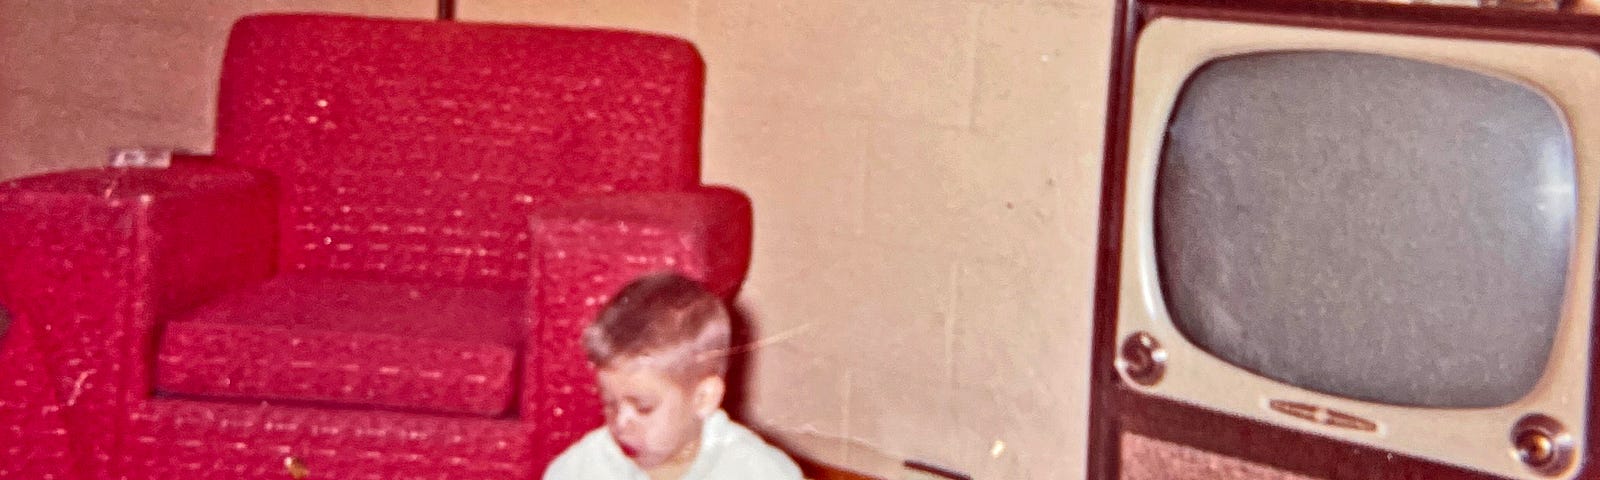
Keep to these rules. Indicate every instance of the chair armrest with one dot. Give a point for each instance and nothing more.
(34, 442)
(703, 233)
(91, 258)
(588, 248)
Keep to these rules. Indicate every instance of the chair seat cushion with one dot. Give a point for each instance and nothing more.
(349, 341)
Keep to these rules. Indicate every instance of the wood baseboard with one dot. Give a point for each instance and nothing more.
(818, 471)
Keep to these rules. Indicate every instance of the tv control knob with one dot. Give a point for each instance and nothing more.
(1535, 448)
(1142, 359)
(1542, 444)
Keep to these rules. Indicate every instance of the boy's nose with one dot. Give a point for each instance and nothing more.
(624, 424)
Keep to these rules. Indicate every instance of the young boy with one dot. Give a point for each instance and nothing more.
(661, 350)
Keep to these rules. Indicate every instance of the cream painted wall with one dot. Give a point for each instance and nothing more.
(925, 176)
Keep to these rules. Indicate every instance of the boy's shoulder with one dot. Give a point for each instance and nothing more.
(735, 452)
(587, 458)
(741, 452)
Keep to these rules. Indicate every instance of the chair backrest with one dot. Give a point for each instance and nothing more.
(416, 149)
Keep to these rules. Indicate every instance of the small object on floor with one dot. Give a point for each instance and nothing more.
(296, 468)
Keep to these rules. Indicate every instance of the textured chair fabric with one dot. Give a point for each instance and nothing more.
(94, 257)
(33, 439)
(419, 151)
(362, 342)
(383, 269)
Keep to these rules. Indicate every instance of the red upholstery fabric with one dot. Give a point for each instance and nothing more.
(33, 439)
(359, 160)
(418, 149)
(93, 257)
(179, 440)
(361, 342)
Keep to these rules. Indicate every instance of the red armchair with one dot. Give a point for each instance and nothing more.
(382, 271)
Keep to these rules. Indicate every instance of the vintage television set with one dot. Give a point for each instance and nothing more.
(1348, 240)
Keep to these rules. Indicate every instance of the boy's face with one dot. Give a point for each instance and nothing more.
(654, 417)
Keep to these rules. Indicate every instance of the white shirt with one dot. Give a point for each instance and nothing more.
(728, 451)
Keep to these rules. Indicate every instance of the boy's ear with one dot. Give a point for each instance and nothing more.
(708, 396)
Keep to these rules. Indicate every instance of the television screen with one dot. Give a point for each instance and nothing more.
(1367, 226)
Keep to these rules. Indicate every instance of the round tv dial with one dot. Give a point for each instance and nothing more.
(1142, 359)
(1543, 444)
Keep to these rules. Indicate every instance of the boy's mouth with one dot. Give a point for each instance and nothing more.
(628, 450)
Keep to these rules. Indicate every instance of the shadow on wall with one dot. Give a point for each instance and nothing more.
(743, 335)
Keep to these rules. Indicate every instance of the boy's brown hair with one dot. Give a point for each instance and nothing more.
(668, 317)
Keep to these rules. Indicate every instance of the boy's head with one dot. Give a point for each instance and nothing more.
(660, 347)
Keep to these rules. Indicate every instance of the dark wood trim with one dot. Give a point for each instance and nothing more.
(1104, 440)
(1591, 453)
(814, 470)
(1453, 22)
(447, 10)
(1114, 408)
